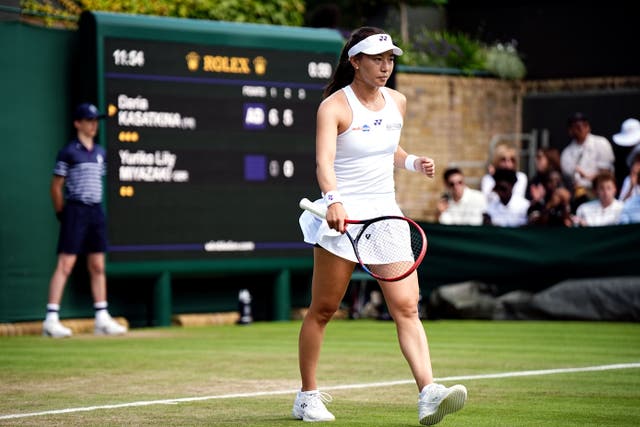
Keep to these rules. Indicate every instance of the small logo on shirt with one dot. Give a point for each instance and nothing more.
(394, 126)
(99, 158)
(377, 122)
(363, 128)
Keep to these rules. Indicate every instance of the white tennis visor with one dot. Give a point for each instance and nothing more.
(373, 45)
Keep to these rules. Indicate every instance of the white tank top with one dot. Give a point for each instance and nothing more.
(365, 151)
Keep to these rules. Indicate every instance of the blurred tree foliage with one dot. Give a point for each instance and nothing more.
(422, 47)
(442, 49)
(277, 12)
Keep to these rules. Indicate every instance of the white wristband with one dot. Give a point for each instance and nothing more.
(410, 162)
(332, 197)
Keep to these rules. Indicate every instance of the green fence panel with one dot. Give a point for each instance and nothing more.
(36, 89)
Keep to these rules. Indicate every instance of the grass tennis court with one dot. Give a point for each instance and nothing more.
(246, 375)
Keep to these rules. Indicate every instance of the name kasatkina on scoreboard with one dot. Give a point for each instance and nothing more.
(135, 112)
(155, 119)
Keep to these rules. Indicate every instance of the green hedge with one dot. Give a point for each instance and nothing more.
(276, 12)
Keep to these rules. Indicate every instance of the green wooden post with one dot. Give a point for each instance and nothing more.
(162, 300)
(282, 296)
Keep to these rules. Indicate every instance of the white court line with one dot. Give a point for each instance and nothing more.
(337, 387)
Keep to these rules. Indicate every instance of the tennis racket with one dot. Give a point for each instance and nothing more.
(389, 248)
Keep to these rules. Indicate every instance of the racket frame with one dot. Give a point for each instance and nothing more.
(308, 205)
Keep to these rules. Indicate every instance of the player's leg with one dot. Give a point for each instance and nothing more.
(434, 400)
(331, 276)
(402, 299)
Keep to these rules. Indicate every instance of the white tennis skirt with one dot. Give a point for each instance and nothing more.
(316, 230)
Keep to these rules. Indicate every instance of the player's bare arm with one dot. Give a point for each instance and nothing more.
(330, 122)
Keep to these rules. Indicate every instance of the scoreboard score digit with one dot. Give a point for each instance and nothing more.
(209, 147)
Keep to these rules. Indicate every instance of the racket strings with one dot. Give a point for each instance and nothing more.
(390, 247)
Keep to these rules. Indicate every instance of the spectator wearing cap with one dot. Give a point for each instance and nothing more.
(508, 209)
(629, 136)
(87, 111)
(76, 192)
(460, 205)
(606, 209)
(585, 156)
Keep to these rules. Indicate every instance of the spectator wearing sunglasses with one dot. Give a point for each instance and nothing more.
(460, 205)
(505, 156)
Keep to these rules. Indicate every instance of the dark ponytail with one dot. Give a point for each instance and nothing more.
(344, 73)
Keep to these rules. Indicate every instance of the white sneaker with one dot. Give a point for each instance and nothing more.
(55, 329)
(435, 401)
(108, 326)
(310, 407)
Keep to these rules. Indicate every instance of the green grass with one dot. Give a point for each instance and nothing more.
(39, 374)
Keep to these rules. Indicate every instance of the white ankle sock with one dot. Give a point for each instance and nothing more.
(52, 313)
(101, 310)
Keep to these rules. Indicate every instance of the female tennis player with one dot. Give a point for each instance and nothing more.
(357, 148)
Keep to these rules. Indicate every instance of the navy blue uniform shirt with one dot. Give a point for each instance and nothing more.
(83, 171)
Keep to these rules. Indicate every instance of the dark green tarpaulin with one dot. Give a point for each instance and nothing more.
(528, 258)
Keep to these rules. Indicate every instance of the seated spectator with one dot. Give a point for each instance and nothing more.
(606, 209)
(585, 156)
(629, 136)
(461, 205)
(554, 212)
(508, 209)
(631, 185)
(505, 156)
(631, 211)
(548, 172)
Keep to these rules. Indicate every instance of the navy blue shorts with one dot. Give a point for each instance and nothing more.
(82, 229)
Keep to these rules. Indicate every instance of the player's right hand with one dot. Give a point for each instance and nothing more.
(336, 215)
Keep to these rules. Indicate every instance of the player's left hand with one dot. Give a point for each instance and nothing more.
(426, 166)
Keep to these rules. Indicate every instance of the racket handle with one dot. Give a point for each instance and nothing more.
(308, 205)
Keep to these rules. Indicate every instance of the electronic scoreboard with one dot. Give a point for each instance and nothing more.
(210, 135)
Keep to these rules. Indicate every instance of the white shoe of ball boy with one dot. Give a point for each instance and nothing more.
(107, 326)
(55, 329)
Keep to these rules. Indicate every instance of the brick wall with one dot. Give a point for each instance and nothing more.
(451, 119)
